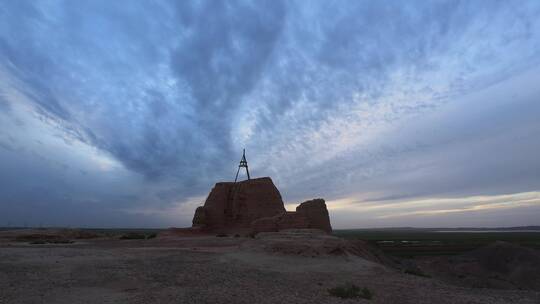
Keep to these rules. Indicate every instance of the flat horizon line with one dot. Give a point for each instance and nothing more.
(530, 227)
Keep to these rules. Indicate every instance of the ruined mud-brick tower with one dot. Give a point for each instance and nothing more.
(256, 205)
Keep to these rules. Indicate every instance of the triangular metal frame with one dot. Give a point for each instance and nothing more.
(243, 164)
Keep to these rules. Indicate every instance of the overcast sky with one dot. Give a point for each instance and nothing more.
(398, 113)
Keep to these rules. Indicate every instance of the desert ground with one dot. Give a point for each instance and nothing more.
(72, 266)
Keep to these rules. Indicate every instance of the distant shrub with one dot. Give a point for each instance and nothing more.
(417, 272)
(40, 242)
(350, 291)
(221, 235)
(83, 234)
(34, 237)
(138, 236)
(133, 236)
(40, 239)
(366, 293)
(51, 241)
(60, 241)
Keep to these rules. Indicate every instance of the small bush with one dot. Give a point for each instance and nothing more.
(417, 272)
(61, 241)
(52, 241)
(35, 237)
(133, 236)
(83, 234)
(138, 236)
(40, 242)
(350, 291)
(366, 293)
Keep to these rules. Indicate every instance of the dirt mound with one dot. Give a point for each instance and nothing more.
(500, 265)
(302, 242)
(312, 243)
(517, 265)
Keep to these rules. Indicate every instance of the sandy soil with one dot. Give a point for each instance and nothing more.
(208, 269)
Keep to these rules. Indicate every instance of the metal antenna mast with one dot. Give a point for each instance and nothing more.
(243, 163)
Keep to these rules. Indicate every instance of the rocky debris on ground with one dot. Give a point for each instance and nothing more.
(255, 205)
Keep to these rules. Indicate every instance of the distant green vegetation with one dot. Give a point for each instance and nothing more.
(41, 239)
(64, 235)
(410, 242)
(123, 233)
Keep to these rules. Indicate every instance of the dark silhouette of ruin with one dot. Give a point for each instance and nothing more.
(256, 205)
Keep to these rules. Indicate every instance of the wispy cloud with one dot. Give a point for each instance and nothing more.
(436, 211)
(331, 99)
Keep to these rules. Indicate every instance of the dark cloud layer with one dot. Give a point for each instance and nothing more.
(393, 100)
